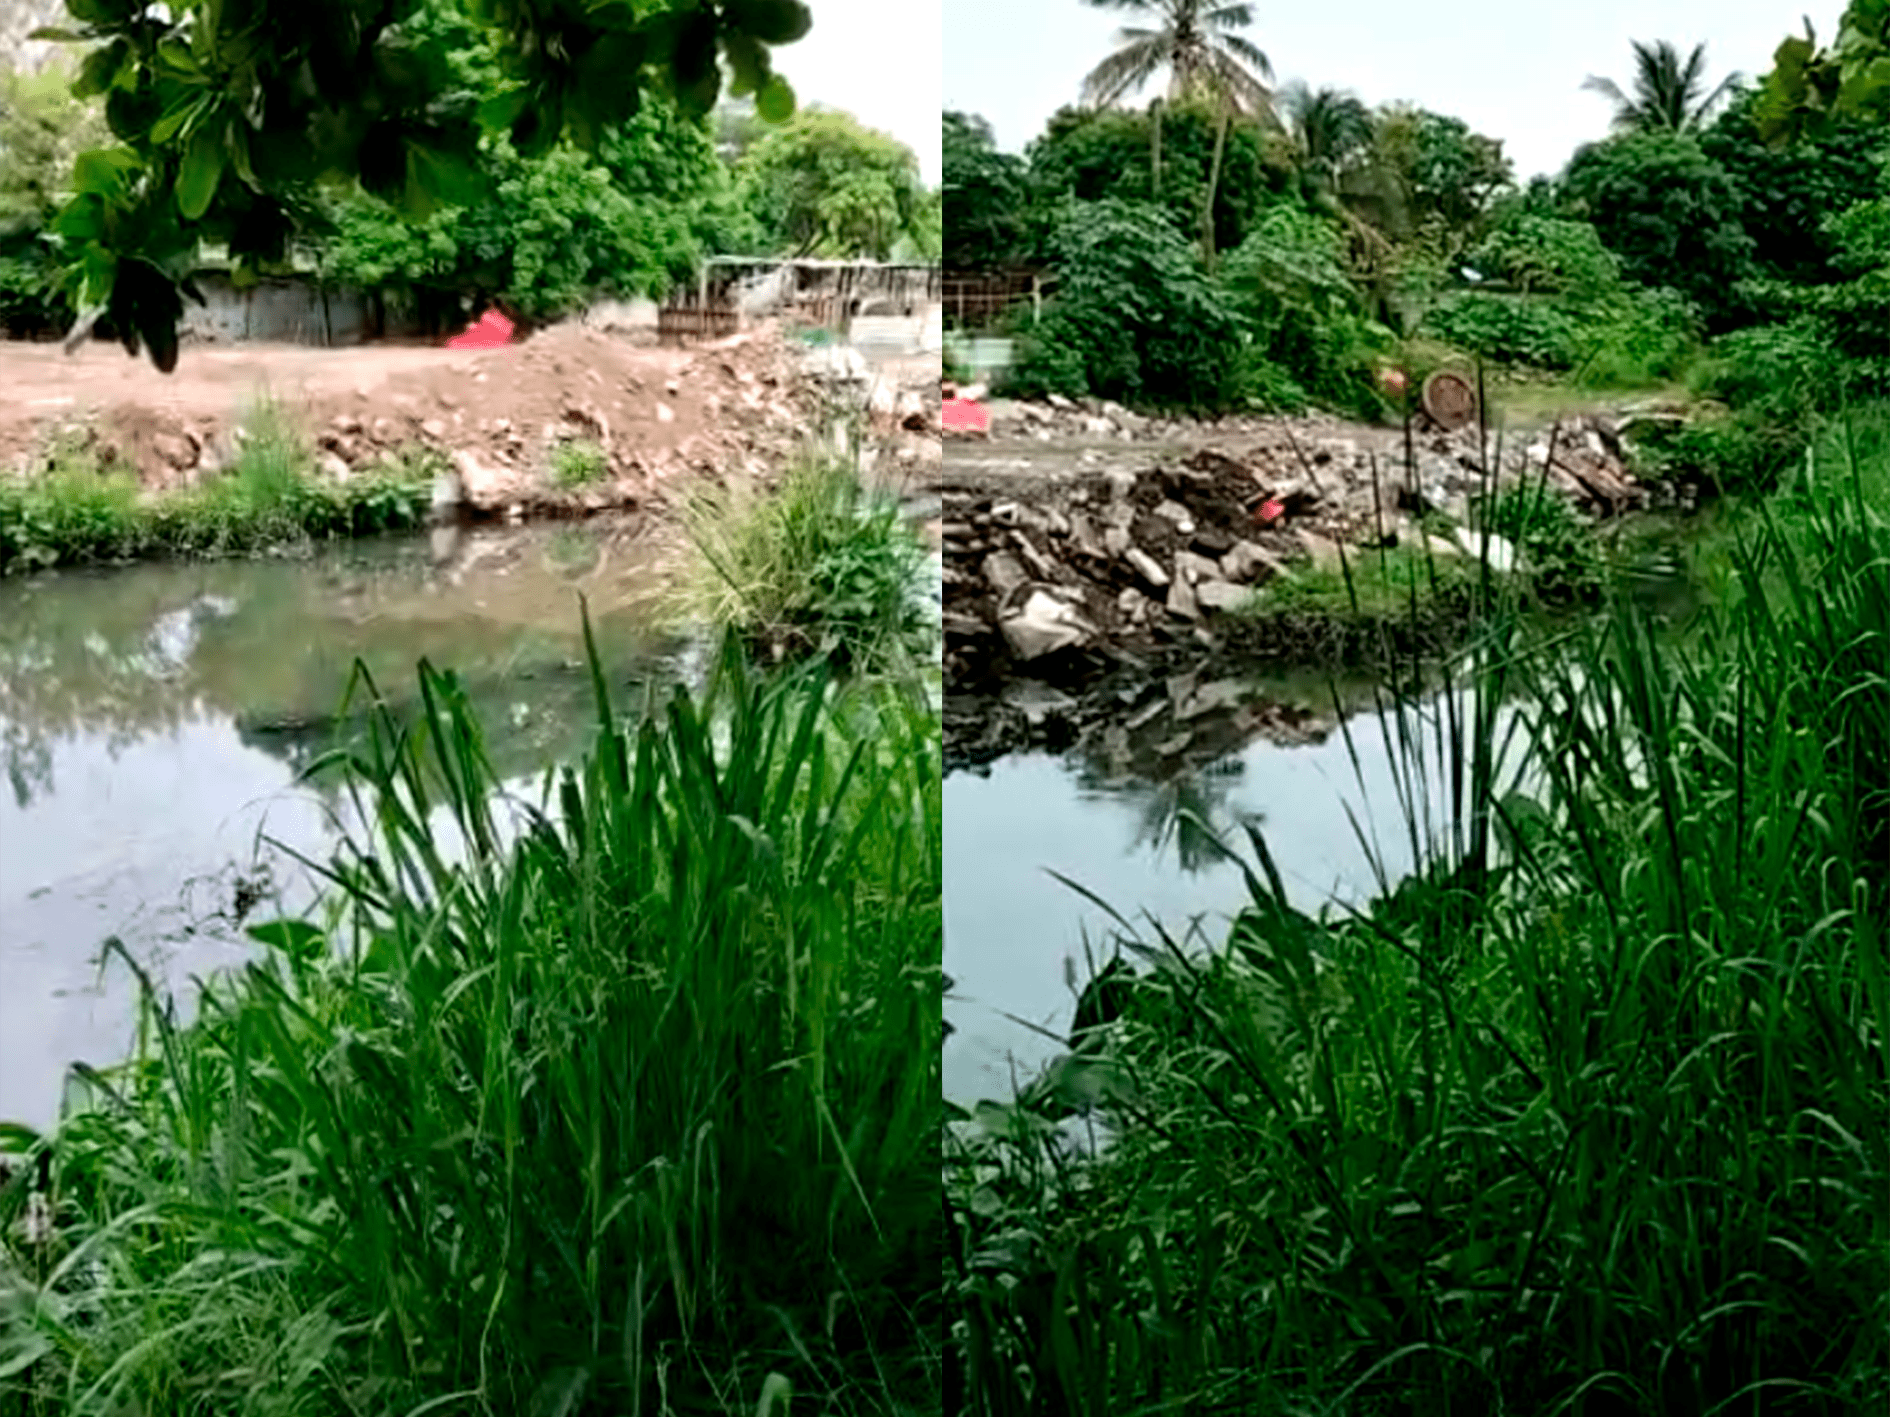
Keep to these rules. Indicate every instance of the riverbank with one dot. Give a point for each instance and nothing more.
(1373, 1157)
(1095, 554)
(259, 447)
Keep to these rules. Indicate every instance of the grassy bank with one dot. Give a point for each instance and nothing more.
(76, 512)
(815, 564)
(1586, 1118)
(622, 1102)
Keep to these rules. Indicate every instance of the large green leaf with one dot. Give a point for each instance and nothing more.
(105, 172)
(199, 172)
(774, 103)
(771, 21)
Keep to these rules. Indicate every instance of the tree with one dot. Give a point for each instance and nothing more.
(1667, 94)
(985, 194)
(1331, 131)
(1810, 89)
(229, 112)
(1669, 213)
(1090, 155)
(824, 185)
(1205, 60)
(1195, 42)
(42, 128)
(1788, 191)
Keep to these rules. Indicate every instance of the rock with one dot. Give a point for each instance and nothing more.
(664, 413)
(1324, 553)
(1247, 563)
(1181, 599)
(1004, 573)
(1057, 401)
(1221, 595)
(1116, 541)
(485, 484)
(1044, 626)
(1499, 551)
(179, 450)
(333, 467)
(1195, 569)
(448, 493)
(435, 428)
(1146, 566)
(1438, 546)
(1178, 514)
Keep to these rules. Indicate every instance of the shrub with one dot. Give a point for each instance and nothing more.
(815, 565)
(1134, 319)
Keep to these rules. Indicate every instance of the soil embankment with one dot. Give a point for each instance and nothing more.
(1101, 570)
(494, 417)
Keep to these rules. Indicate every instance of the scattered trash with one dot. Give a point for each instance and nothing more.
(490, 331)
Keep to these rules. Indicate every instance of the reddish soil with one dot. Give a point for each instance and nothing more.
(733, 405)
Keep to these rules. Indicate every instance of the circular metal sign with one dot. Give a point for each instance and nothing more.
(1450, 399)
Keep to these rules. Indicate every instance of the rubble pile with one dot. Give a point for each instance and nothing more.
(1065, 574)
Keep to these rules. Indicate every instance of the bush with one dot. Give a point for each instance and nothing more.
(816, 565)
(1134, 319)
(578, 463)
(1311, 340)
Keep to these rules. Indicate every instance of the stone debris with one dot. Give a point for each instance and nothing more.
(1151, 557)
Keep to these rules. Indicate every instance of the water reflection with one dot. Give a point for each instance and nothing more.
(155, 719)
(1133, 816)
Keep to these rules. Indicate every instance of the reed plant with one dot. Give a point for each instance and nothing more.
(1587, 1116)
(618, 1098)
(813, 563)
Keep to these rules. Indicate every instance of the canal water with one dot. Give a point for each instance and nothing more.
(154, 720)
(1329, 796)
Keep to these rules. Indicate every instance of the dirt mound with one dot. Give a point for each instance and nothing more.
(497, 414)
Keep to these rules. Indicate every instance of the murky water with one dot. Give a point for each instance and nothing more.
(153, 720)
(1018, 940)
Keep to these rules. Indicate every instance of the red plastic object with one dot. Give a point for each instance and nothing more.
(965, 416)
(490, 331)
(1269, 511)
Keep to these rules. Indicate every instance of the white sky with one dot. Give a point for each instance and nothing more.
(878, 60)
(1510, 68)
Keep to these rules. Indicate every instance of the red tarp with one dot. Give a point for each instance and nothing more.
(965, 416)
(490, 331)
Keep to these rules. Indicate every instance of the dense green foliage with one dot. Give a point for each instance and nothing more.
(984, 196)
(1135, 318)
(823, 185)
(1584, 1116)
(74, 512)
(42, 128)
(814, 564)
(621, 1100)
(227, 112)
(1667, 211)
(551, 231)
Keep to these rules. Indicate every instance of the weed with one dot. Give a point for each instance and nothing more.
(578, 462)
(1584, 1117)
(817, 563)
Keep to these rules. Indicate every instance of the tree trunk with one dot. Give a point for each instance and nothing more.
(1214, 182)
(1155, 151)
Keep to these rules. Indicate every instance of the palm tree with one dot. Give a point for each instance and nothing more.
(1667, 91)
(1195, 41)
(1330, 129)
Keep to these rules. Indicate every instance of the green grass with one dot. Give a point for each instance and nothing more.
(578, 462)
(77, 512)
(1586, 1117)
(621, 1101)
(815, 563)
